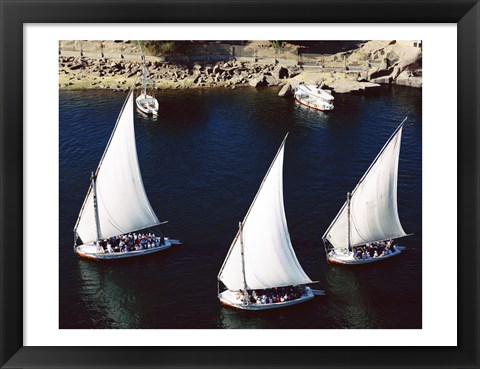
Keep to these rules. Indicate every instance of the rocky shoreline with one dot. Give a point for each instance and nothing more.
(397, 64)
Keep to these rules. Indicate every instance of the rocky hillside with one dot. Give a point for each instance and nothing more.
(368, 66)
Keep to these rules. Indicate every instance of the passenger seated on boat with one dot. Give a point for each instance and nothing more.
(109, 247)
(358, 254)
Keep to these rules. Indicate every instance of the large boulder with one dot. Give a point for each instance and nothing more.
(285, 90)
(294, 84)
(279, 72)
(379, 72)
(347, 85)
(257, 81)
(77, 66)
(382, 80)
(407, 78)
(270, 80)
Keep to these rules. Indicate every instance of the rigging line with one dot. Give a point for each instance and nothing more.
(379, 154)
(116, 125)
(264, 178)
(251, 206)
(286, 232)
(232, 245)
(80, 214)
(363, 177)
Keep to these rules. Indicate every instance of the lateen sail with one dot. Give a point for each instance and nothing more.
(268, 253)
(123, 205)
(373, 204)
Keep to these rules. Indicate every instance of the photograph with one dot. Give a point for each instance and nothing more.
(239, 184)
(266, 184)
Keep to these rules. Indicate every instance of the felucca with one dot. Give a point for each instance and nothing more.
(116, 206)
(366, 227)
(261, 270)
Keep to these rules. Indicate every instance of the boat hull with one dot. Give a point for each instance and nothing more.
(146, 109)
(310, 104)
(88, 251)
(228, 298)
(348, 259)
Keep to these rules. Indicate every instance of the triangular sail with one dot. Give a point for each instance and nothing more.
(373, 203)
(268, 253)
(123, 205)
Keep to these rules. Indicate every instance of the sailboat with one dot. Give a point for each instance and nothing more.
(366, 227)
(261, 270)
(116, 206)
(147, 104)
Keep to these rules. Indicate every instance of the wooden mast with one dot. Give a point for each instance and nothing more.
(95, 208)
(240, 226)
(348, 221)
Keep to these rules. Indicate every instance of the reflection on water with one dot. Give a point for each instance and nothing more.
(350, 305)
(107, 297)
(202, 160)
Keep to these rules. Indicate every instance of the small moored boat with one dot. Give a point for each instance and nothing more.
(261, 270)
(366, 227)
(147, 104)
(116, 206)
(314, 97)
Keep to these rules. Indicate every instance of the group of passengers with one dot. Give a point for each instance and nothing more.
(271, 295)
(131, 242)
(374, 250)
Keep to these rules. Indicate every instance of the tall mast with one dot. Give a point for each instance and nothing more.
(144, 89)
(144, 77)
(95, 207)
(348, 221)
(361, 180)
(265, 178)
(240, 226)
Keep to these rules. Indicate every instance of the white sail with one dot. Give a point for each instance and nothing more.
(269, 259)
(373, 203)
(122, 203)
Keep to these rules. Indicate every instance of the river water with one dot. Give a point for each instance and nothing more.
(202, 161)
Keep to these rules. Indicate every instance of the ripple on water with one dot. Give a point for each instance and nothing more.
(202, 161)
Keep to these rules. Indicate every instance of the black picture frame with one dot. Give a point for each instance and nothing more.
(14, 14)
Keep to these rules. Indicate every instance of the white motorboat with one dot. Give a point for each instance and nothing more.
(116, 203)
(366, 227)
(314, 97)
(261, 270)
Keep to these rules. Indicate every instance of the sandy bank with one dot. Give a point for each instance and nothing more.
(372, 64)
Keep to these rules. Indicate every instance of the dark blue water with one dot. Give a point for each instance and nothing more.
(202, 161)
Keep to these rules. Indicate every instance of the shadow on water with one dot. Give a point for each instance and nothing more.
(368, 296)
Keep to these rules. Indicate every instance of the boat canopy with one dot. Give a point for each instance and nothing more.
(269, 259)
(122, 202)
(373, 203)
(314, 91)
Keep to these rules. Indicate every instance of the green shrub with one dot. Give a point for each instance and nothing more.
(163, 47)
